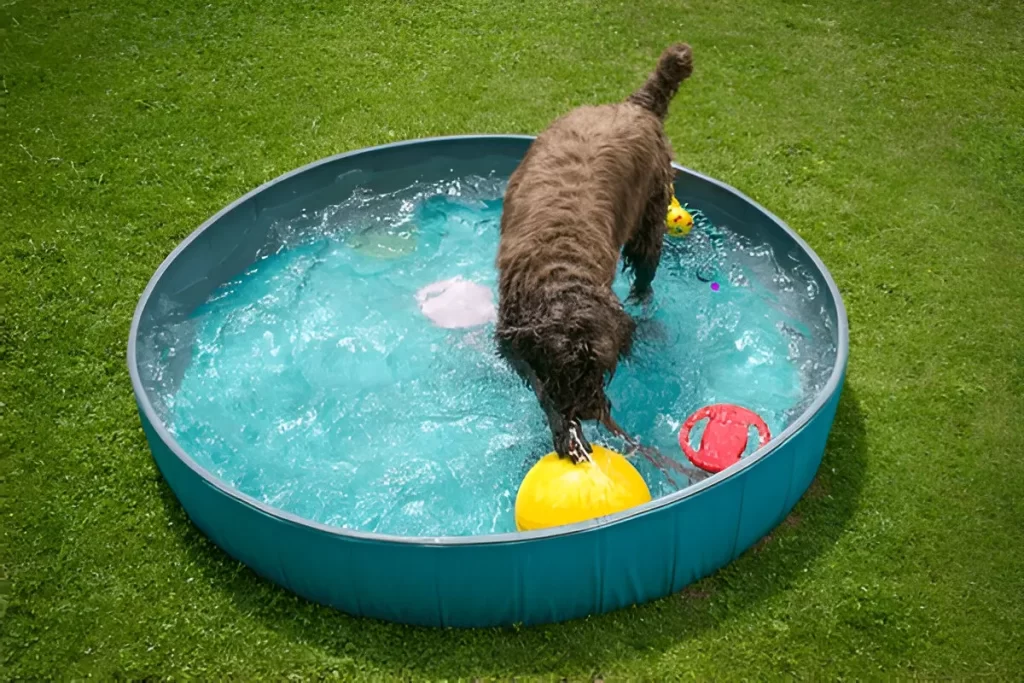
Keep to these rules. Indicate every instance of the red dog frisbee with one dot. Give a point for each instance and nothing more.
(725, 436)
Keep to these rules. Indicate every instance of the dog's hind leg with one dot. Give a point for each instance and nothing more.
(642, 253)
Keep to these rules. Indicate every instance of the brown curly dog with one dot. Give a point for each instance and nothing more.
(598, 181)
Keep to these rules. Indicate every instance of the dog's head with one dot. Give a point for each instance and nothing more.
(572, 351)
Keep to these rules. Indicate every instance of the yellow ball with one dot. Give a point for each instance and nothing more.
(556, 492)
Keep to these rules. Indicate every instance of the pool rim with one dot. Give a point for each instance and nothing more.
(824, 395)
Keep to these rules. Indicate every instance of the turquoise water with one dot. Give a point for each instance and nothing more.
(317, 385)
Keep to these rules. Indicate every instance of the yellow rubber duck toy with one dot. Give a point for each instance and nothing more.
(555, 491)
(679, 220)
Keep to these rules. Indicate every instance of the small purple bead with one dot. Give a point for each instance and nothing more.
(714, 286)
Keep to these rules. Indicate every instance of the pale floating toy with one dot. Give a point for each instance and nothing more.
(556, 492)
(457, 302)
(679, 220)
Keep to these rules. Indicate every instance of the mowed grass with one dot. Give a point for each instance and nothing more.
(890, 135)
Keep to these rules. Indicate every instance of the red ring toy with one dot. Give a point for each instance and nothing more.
(725, 436)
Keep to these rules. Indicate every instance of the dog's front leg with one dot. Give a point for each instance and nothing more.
(567, 435)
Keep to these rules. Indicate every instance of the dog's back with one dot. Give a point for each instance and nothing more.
(577, 196)
(579, 193)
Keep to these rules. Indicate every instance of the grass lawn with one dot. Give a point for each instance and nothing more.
(889, 134)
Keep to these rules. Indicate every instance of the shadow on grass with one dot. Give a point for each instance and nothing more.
(585, 647)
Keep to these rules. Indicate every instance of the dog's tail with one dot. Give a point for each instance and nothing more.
(674, 67)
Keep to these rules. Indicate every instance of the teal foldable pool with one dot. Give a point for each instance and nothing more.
(468, 580)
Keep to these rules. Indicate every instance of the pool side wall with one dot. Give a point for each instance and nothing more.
(538, 581)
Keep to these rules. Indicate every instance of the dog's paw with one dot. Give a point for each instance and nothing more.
(650, 331)
(640, 297)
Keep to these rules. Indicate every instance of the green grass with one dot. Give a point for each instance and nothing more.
(889, 134)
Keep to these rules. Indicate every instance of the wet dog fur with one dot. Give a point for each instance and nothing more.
(595, 184)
